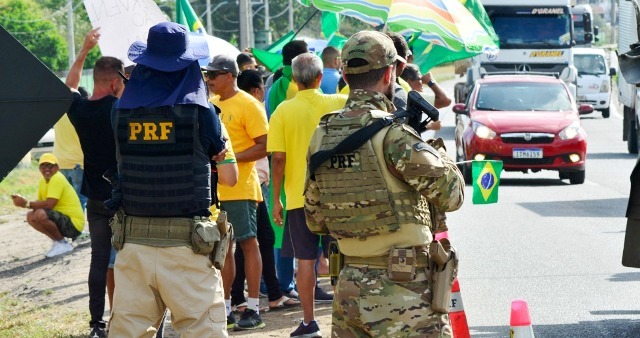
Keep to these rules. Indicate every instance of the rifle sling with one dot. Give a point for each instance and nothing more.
(350, 144)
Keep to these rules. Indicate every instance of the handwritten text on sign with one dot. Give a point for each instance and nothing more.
(122, 22)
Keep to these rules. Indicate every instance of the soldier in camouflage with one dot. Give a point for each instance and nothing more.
(379, 199)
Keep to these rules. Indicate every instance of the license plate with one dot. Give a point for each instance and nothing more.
(527, 153)
(582, 97)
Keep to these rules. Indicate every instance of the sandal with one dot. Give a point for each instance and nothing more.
(284, 303)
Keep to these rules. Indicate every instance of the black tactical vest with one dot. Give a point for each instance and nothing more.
(164, 171)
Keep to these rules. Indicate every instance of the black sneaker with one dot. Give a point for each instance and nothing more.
(321, 297)
(310, 331)
(231, 321)
(249, 320)
(98, 331)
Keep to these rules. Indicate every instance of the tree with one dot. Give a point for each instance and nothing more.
(25, 20)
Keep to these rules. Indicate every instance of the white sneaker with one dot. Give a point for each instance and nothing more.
(59, 248)
(53, 247)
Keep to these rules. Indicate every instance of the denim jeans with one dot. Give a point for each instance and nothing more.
(74, 176)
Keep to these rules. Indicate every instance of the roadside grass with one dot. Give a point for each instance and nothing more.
(22, 319)
(21, 180)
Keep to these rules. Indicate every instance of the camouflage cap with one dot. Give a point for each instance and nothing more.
(375, 48)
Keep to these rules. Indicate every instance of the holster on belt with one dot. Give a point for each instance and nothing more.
(221, 247)
(443, 268)
(117, 223)
(336, 261)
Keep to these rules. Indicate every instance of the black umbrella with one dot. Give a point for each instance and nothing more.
(32, 100)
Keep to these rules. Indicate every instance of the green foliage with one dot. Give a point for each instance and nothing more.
(225, 19)
(22, 181)
(27, 22)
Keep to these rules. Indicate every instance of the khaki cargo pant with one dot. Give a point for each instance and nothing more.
(150, 279)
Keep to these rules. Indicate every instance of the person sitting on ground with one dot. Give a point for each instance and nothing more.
(57, 212)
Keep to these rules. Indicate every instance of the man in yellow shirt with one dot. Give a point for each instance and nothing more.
(57, 212)
(290, 129)
(245, 119)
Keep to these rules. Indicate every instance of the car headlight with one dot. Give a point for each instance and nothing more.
(604, 88)
(571, 131)
(483, 131)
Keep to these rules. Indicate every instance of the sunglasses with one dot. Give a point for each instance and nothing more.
(124, 78)
(213, 75)
(47, 166)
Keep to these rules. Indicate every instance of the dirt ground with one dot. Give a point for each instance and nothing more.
(62, 281)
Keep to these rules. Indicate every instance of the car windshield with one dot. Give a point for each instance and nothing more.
(525, 96)
(589, 64)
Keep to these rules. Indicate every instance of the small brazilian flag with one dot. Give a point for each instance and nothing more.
(486, 179)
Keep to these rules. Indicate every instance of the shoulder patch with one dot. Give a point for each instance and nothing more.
(421, 146)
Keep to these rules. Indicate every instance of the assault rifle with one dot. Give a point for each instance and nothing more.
(416, 106)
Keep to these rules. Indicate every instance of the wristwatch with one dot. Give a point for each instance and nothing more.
(431, 83)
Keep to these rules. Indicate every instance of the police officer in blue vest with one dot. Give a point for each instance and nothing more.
(167, 134)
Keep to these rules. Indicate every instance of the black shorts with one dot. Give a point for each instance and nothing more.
(64, 224)
(298, 241)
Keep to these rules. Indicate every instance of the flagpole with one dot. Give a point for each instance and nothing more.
(305, 23)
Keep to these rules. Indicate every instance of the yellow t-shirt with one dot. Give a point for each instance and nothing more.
(404, 84)
(290, 129)
(245, 119)
(68, 202)
(66, 146)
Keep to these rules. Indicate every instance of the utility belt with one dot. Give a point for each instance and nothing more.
(200, 233)
(438, 265)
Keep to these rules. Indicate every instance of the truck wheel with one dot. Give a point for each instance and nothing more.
(576, 177)
(606, 113)
(632, 137)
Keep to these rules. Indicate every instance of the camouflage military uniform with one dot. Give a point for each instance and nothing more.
(366, 302)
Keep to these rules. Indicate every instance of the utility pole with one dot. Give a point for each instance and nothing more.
(70, 39)
(266, 15)
(246, 24)
(209, 24)
(290, 15)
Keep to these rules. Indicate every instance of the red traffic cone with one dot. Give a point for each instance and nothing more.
(456, 313)
(520, 320)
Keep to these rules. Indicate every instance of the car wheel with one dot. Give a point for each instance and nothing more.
(563, 175)
(606, 113)
(577, 177)
(632, 137)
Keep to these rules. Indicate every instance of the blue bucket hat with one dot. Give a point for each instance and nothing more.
(169, 48)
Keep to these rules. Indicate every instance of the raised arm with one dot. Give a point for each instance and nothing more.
(75, 72)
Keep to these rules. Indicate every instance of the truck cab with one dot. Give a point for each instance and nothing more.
(535, 36)
(594, 78)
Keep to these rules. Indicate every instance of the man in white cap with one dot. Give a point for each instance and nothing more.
(167, 134)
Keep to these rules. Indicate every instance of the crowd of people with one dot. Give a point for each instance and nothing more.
(172, 147)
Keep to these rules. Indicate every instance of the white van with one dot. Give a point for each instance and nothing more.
(594, 78)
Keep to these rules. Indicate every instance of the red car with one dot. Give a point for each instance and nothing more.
(529, 122)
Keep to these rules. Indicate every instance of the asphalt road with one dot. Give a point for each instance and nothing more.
(557, 246)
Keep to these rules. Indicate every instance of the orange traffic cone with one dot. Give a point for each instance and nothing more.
(520, 320)
(456, 313)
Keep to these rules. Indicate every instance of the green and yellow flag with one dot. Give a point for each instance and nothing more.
(485, 180)
(185, 15)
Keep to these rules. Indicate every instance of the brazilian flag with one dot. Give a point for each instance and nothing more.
(486, 179)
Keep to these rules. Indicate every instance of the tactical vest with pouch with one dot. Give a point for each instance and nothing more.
(359, 197)
(164, 170)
